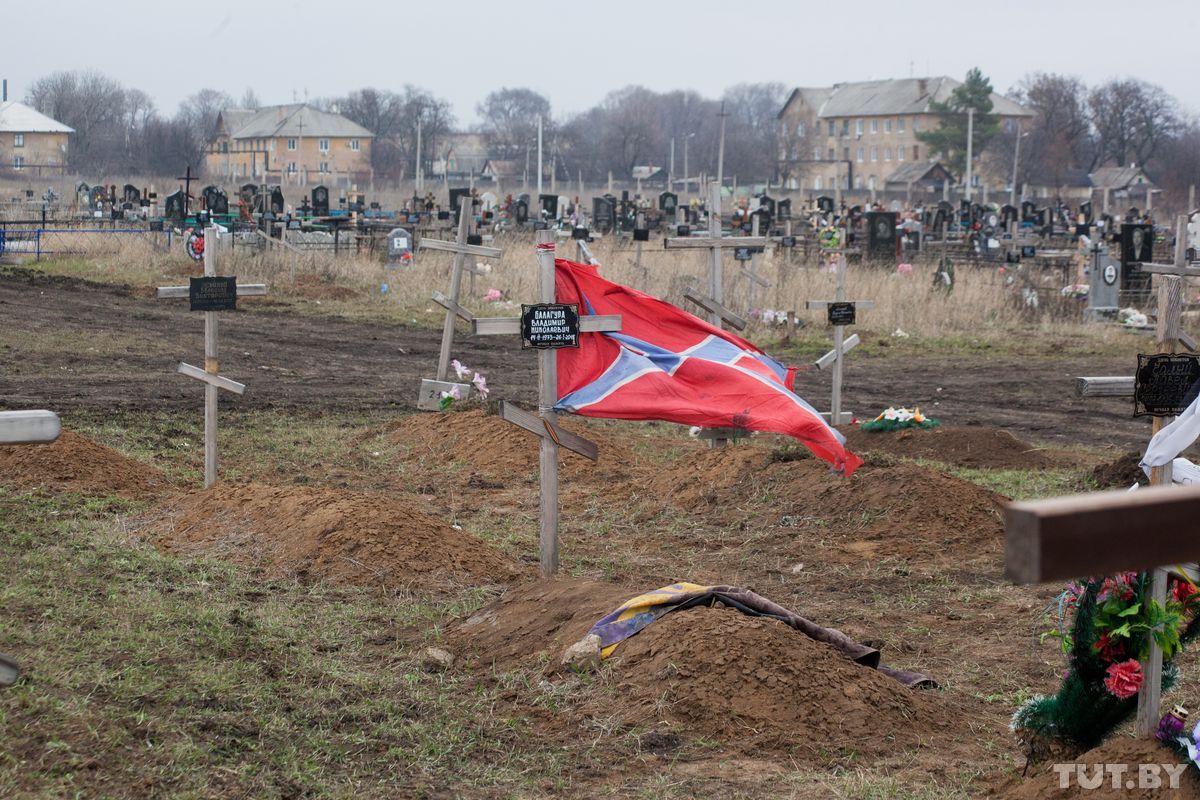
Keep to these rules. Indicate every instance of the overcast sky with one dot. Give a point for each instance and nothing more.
(576, 52)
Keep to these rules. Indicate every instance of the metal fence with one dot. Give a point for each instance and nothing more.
(43, 242)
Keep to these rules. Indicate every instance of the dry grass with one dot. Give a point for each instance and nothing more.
(985, 304)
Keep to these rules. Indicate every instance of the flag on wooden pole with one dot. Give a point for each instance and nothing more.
(668, 365)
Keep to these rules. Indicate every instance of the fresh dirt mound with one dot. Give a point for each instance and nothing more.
(1120, 473)
(719, 673)
(75, 463)
(497, 452)
(986, 448)
(534, 623)
(903, 510)
(709, 672)
(1045, 783)
(323, 534)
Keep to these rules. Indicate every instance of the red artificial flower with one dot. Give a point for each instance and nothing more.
(1108, 648)
(1182, 592)
(1124, 679)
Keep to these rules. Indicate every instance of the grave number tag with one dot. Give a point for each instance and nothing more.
(1166, 384)
(213, 294)
(841, 313)
(549, 325)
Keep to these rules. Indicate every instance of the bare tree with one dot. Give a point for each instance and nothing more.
(250, 100)
(1133, 120)
(199, 113)
(510, 119)
(753, 109)
(94, 105)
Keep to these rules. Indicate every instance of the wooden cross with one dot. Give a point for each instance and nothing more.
(209, 375)
(841, 346)
(16, 428)
(714, 302)
(545, 424)
(1099, 534)
(430, 395)
(751, 274)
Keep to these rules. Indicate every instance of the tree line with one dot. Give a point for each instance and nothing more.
(120, 131)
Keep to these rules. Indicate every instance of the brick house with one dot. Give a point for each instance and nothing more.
(31, 141)
(295, 144)
(855, 135)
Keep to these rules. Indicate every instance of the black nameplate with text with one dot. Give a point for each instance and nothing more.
(1166, 384)
(742, 254)
(213, 294)
(549, 325)
(841, 313)
(788, 241)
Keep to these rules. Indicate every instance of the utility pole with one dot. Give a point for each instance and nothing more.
(1012, 193)
(721, 150)
(671, 171)
(970, 149)
(420, 183)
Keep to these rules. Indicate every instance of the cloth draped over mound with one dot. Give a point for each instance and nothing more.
(638, 612)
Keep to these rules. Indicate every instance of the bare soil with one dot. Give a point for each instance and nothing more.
(75, 463)
(314, 534)
(294, 360)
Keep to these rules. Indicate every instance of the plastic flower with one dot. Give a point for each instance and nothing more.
(481, 385)
(891, 414)
(1183, 591)
(904, 269)
(459, 369)
(1108, 648)
(1124, 679)
(493, 296)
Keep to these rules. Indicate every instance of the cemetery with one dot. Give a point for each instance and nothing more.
(652, 487)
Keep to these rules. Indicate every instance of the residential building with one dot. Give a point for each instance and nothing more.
(31, 142)
(853, 136)
(1123, 186)
(462, 156)
(291, 144)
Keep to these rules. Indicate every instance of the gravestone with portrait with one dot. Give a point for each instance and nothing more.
(1137, 246)
(276, 201)
(320, 201)
(173, 208)
(215, 200)
(881, 235)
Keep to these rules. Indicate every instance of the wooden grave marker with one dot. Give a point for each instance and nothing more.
(1102, 533)
(840, 312)
(20, 428)
(211, 294)
(714, 301)
(430, 394)
(547, 326)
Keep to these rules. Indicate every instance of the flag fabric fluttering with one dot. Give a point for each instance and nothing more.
(668, 365)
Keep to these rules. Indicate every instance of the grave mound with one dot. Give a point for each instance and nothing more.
(886, 509)
(713, 673)
(1120, 473)
(75, 463)
(962, 446)
(318, 534)
(1044, 783)
(500, 452)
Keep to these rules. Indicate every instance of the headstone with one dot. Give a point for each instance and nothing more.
(825, 203)
(548, 203)
(130, 194)
(173, 206)
(520, 211)
(668, 202)
(320, 201)
(767, 202)
(881, 234)
(1137, 243)
(603, 213)
(399, 245)
(97, 198)
(276, 200)
(456, 196)
(215, 200)
(784, 209)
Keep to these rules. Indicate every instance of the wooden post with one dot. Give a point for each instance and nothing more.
(839, 335)
(464, 227)
(640, 223)
(547, 397)
(1191, 206)
(211, 366)
(753, 262)
(716, 277)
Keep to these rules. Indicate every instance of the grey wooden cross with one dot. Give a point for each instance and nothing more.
(545, 424)
(841, 345)
(209, 375)
(1108, 532)
(714, 301)
(430, 396)
(751, 274)
(16, 428)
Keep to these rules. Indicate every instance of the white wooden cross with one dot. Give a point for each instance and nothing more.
(16, 428)
(209, 375)
(1103, 533)
(430, 396)
(545, 424)
(714, 301)
(841, 345)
